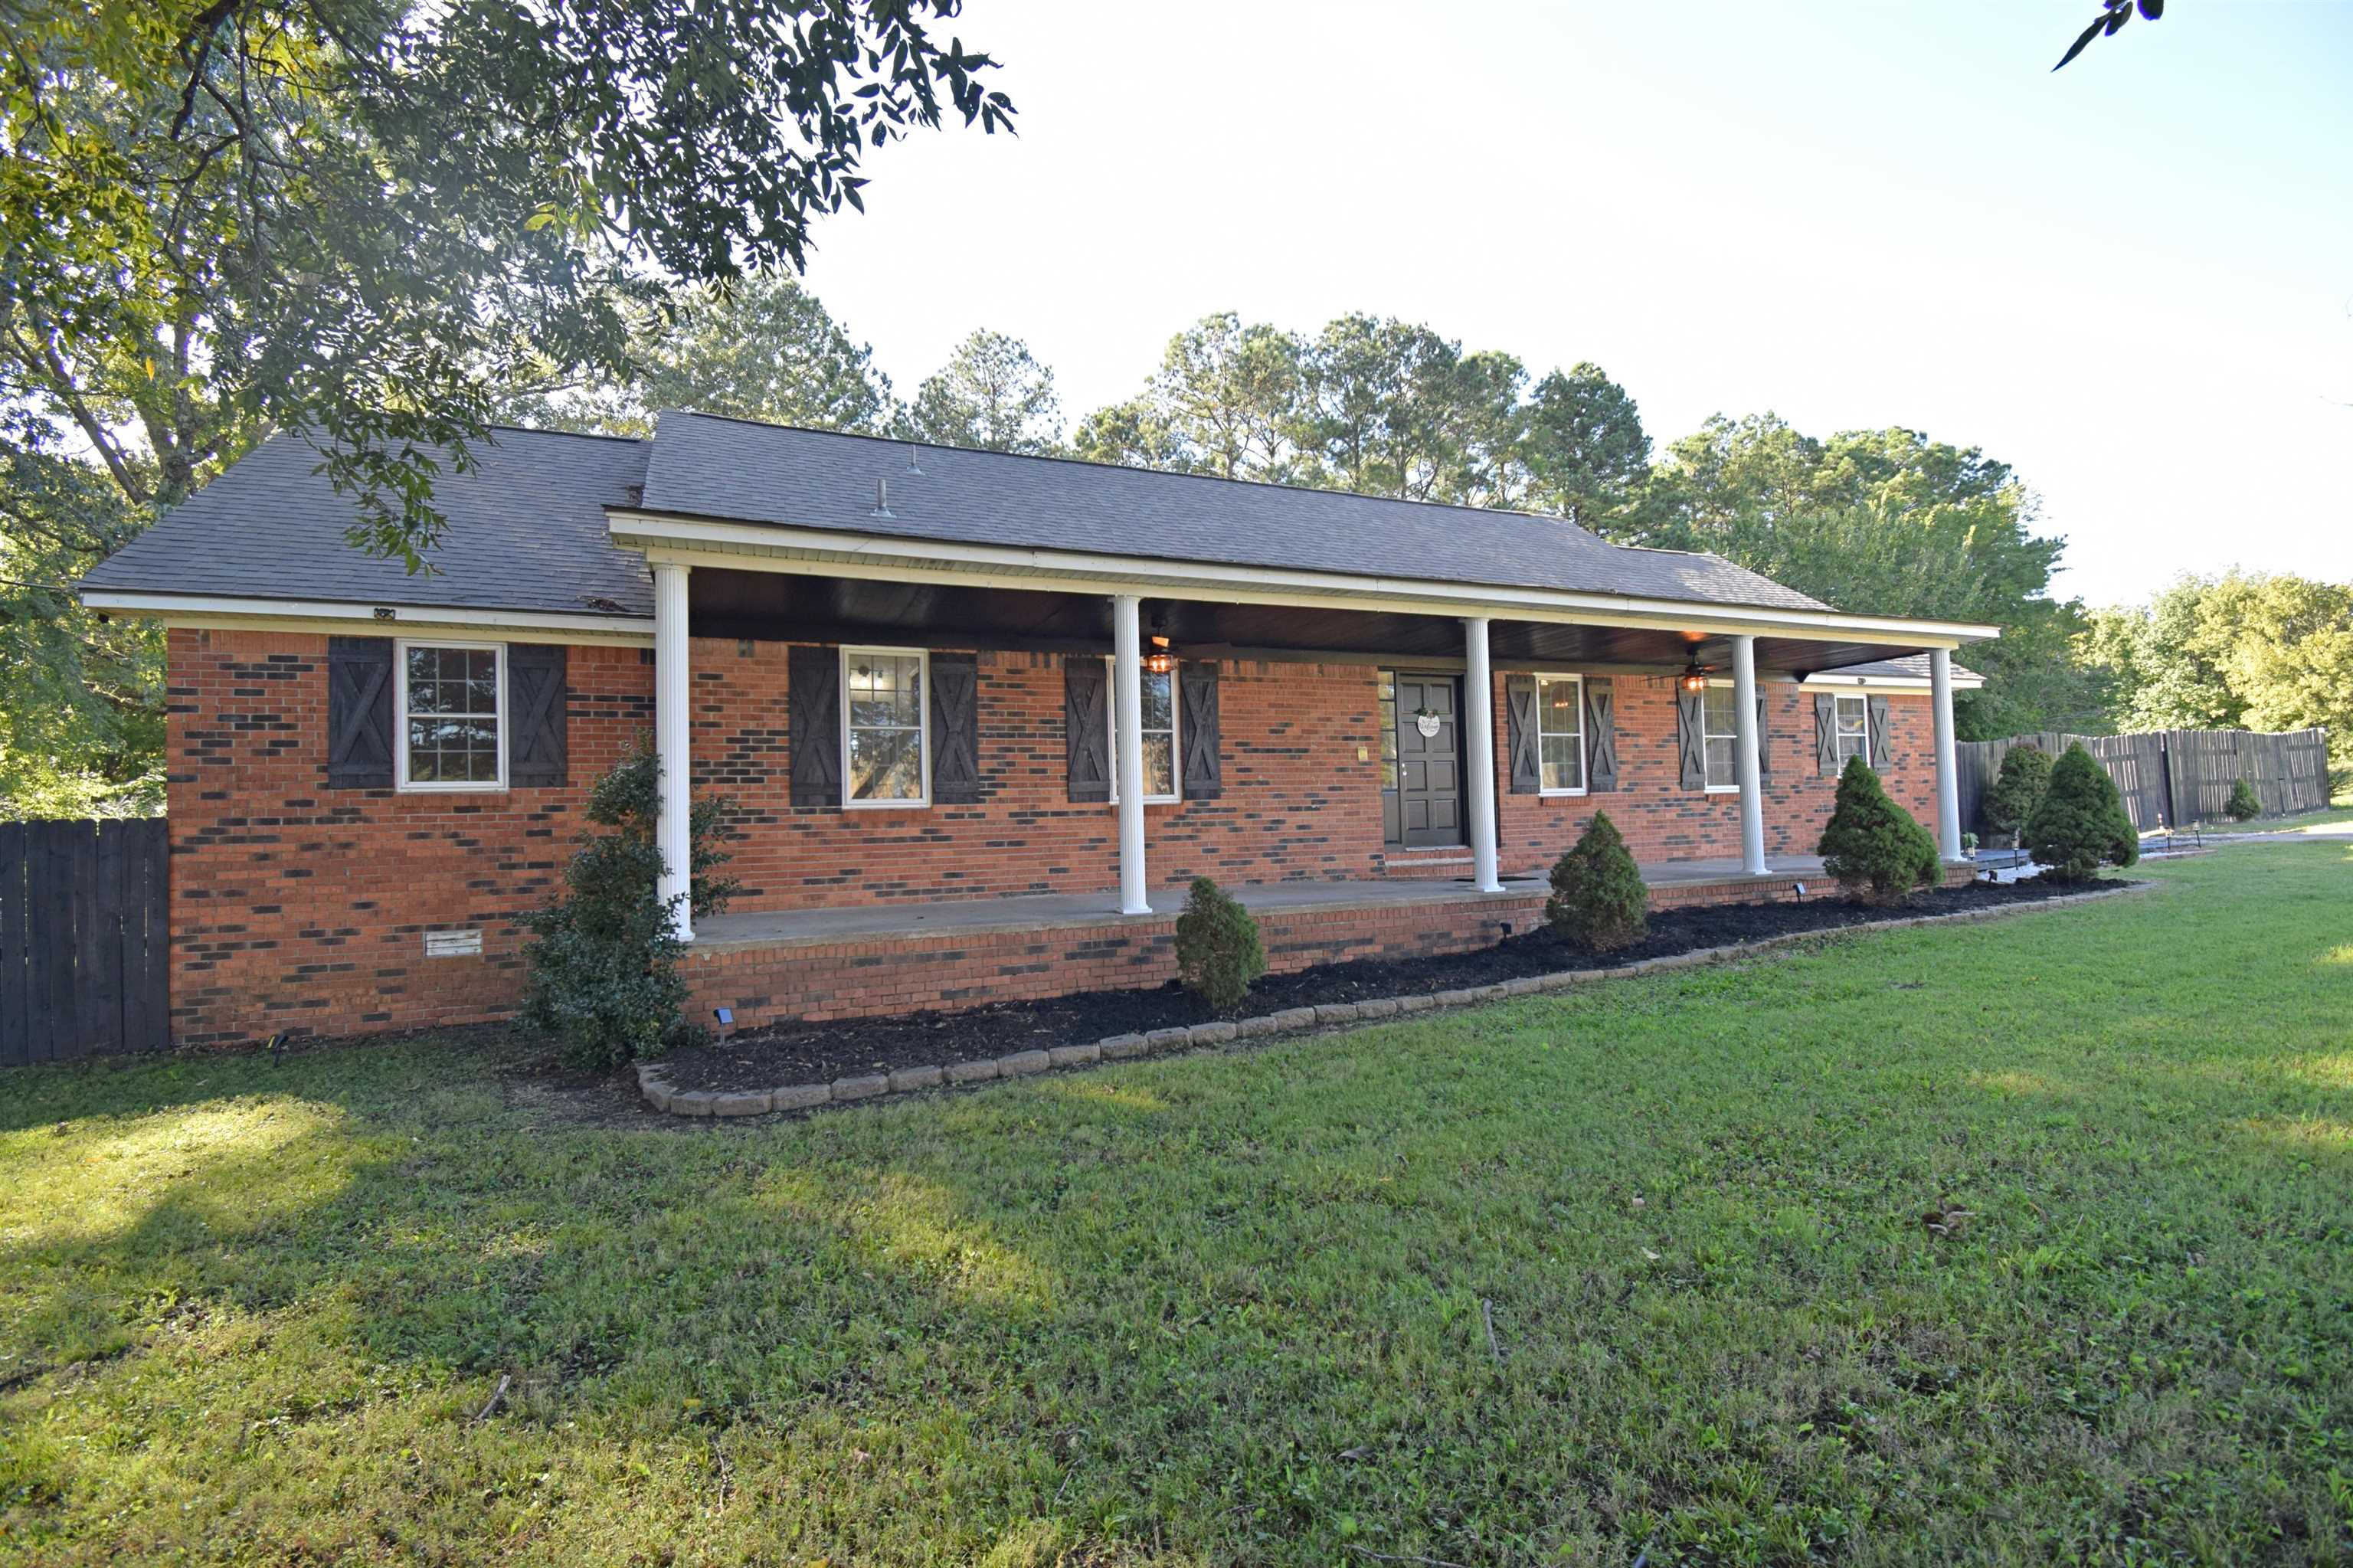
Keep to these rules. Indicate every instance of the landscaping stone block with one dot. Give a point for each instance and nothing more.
(1339, 1012)
(1291, 1018)
(1216, 1034)
(1121, 1047)
(1523, 985)
(1415, 1004)
(740, 1102)
(800, 1096)
(1458, 997)
(865, 1086)
(905, 1078)
(1379, 1007)
(658, 1091)
(1074, 1056)
(972, 1072)
(1255, 1028)
(1167, 1039)
(1022, 1062)
(691, 1102)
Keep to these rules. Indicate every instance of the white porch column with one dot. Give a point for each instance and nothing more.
(1127, 767)
(1747, 767)
(1479, 748)
(1949, 784)
(672, 682)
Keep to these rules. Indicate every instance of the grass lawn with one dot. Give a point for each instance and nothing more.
(1227, 1308)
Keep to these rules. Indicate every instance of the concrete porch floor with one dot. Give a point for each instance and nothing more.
(1037, 911)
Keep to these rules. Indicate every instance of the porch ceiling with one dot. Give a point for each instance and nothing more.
(778, 606)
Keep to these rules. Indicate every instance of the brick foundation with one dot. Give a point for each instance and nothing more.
(299, 907)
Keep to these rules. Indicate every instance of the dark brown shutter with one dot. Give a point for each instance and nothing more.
(1197, 733)
(1764, 739)
(956, 728)
(1882, 744)
(1826, 762)
(1086, 728)
(1690, 736)
(1600, 733)
(1521, 729)
(535, 720)
(359, 713)
(813, 697)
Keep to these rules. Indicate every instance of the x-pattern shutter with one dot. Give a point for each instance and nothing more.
(359, 713)
(536, 696)
(1199, 738)
(1600, 733)
(1882, 744)
(1826, 762)
(1086, 728)
(813, 695)
(1520, 721)
(1690, 737)
(956, 728)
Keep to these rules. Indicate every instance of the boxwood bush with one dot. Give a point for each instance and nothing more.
(1873, 846)
(1598, 899)
(1218, 953)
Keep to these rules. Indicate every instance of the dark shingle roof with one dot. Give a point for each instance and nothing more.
(704, 466)
(1910, 666)
(526, 532)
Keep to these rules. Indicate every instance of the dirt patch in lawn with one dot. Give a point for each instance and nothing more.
(812, 1053)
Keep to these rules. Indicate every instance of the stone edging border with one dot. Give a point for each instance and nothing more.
(663, 1097)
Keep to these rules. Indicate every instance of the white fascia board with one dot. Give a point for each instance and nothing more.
(1914, 685)
(762, 547)
(223, 612)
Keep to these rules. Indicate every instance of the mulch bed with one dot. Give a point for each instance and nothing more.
(816, 1053)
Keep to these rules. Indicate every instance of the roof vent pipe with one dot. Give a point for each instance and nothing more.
(914, 460)
(881, 499)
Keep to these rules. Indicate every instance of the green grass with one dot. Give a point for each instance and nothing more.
(1227, 1308)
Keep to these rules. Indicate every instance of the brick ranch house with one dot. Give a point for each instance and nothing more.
(922, 676)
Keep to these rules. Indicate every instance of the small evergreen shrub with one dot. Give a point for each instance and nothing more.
(1598, 899)
(2017, 791)
(2081, 823)
(604, 963)
(1218, 953)
(1875, 848)
(2245, 805)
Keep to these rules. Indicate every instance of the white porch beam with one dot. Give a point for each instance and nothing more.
(672, 683)
(1747, 767)
(1479, 746)
(1949, 783)
(1127, 767)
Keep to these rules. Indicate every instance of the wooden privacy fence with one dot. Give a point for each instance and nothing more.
(2173, 776)
(84, 949)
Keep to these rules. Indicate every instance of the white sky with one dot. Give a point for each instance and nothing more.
(2132, 281)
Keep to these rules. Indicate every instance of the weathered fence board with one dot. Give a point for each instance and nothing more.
(85, 947)
(2175, 777)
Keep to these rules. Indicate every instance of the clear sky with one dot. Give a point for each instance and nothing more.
(2132, 281)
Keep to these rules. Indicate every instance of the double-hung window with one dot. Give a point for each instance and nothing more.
(1159, 730)
(1720, 722)
(1853, 729)
(448, 699)
(885, 752)
(1560, 734)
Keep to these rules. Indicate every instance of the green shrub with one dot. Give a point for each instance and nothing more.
(1598, 899)
(1218, 953)
(2081, 823)
(2245, 804)
(1872, 846)
(2017, 791)
(604, 963)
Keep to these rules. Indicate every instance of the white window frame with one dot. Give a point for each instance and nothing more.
(1707, 735)
(923, 726)
(1583, 751)
(401, 781)
(1838, 753)
(1175, 732)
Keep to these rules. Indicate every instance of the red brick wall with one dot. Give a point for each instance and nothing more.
(1663, 821)
(296, 906)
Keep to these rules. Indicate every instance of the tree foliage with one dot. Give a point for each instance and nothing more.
(1872, 846)
(2081, 823)
(992, 395)
(2017, 791)
(1598, 900)
(603, 960)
